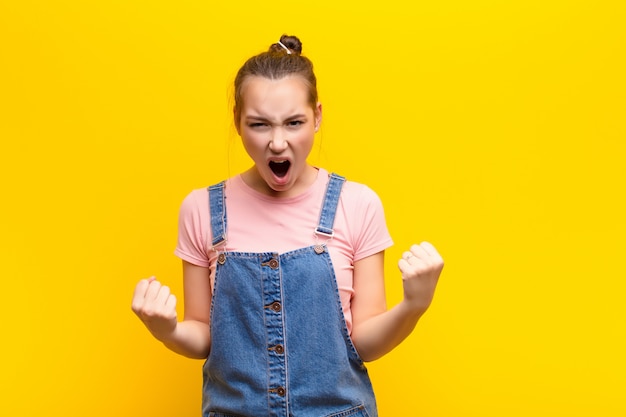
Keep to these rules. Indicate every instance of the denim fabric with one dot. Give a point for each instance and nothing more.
(329, 208)
(218, 213)
(280, 345)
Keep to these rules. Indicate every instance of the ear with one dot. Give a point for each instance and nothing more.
(318, 116)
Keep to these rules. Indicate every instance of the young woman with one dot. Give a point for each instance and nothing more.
(283, 266)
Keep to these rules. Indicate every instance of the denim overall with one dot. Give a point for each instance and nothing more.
(279, 342)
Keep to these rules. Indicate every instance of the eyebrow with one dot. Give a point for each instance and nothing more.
(292, 117)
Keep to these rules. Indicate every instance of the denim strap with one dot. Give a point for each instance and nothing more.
(218, 213)
(329, 207)
(326, 220)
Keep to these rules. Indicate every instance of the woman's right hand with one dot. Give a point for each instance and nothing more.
(156, 308)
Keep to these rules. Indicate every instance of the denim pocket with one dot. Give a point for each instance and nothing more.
(358, 411)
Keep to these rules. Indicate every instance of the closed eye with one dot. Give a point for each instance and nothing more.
(295, 123)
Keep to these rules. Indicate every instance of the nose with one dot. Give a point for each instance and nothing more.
(278, 141)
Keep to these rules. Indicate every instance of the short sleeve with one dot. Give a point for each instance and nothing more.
(371, 234)
(193, 228)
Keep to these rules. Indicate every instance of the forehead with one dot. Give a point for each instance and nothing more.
(264, 94)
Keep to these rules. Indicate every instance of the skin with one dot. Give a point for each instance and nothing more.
(277, 124)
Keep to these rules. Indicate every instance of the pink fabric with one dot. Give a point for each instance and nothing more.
(259, 223)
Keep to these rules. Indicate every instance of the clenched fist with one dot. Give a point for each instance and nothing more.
(420, 267)
(156, 307)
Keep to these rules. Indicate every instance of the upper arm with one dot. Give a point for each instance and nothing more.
(369, 288)
(197, 292)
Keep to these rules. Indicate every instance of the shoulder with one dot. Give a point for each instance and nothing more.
(351, 190)
(195, 200)
(358, 193)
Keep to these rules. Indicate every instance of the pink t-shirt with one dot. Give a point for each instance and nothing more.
(260, 223)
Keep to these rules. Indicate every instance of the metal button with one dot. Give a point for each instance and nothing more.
(273, 263)
(221, 258)
(279, 349)
(281, 391)
(275, 306)
(319, 249)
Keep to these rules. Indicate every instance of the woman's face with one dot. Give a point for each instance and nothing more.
(278, 126)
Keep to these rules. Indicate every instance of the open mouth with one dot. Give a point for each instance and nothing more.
(280, 168)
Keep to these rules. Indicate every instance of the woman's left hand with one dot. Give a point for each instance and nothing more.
(420, 267)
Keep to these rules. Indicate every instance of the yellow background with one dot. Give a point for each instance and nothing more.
(494, 129)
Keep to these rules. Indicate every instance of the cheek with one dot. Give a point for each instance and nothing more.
(305, 141)
(253, 138)
(251, 143)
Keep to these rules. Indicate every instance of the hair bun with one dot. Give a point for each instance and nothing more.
(290, 42)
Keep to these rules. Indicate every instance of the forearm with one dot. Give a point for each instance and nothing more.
(380, 334)
(190, 338)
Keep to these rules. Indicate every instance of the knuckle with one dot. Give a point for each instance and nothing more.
(149, 311)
